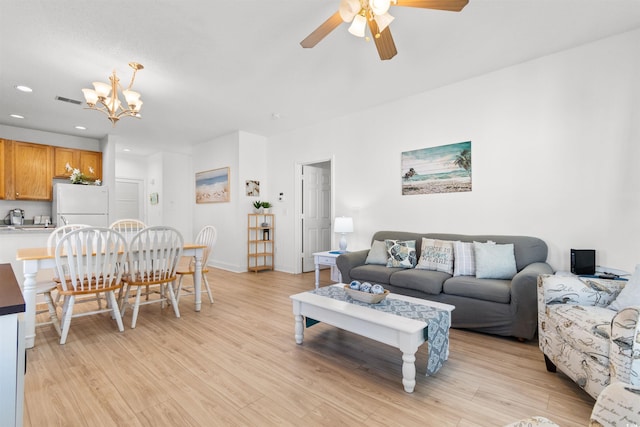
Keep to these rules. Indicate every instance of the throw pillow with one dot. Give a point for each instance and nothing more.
(494, 261)
(630, 294)
(402, 253)
(436, 255)
(464, 257)
(378, 253)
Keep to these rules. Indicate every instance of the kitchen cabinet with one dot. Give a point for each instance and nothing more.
(84, 160)
(3, 169)
(30, 172)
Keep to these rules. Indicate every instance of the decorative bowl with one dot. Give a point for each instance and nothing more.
(365, 296)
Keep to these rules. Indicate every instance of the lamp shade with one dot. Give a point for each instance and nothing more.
(358, 25)
(343, 224)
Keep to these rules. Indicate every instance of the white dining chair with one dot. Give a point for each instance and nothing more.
(207, 236)
(46, 287)
(128, 227)
(152, 262)
(88, 261)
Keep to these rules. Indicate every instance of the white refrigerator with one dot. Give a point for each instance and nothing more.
(80, 204)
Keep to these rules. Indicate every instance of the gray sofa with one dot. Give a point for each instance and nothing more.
(495, 306)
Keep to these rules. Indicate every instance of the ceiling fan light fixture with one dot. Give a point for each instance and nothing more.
(349, 9)
(358, 25)
(383, 21)
(379, 7)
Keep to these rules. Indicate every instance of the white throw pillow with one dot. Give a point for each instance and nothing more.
(378, 253)
(464, 259)
(629, 295)
(495, 261)
(436, 255)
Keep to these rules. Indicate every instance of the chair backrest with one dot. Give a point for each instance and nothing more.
(90, 259)
(60, 232)
(207, 236)
(154, 253)
(128, 227)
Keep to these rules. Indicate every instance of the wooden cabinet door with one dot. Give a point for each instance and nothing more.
(91, 161)
(32, 171)
(3, 169)
(62, 157)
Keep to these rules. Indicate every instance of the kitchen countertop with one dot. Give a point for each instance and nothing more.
(31, 229)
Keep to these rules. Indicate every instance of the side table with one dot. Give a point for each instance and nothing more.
(327, 258)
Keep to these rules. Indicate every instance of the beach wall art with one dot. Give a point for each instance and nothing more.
(442, 169)
(212, 186)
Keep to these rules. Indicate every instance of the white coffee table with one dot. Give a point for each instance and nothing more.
(376, 321)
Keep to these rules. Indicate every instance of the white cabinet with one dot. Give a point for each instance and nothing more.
(12, 352)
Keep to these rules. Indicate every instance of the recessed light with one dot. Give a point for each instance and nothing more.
(16, 116)
(81, 128)
(23, 88)
(126, 150)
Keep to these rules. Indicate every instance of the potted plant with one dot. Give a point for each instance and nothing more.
(266, 206)
(257, 206)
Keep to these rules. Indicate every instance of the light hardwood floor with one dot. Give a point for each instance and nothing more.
(236, 363)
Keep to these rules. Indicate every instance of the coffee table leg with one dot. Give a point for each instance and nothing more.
(409, 371)
(299, 329)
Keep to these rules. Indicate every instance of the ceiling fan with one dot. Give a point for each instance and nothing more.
(375, 14)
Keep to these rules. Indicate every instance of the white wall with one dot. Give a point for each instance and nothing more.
(554, 145)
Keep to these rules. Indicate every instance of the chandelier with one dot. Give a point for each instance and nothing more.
(358, 12)
(104, 97)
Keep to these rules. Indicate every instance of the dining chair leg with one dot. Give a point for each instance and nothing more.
(179, 288)
(174, 301)
(111, 297)
(206, 284)
(124, 300)
(67, 311)
(53, 314)
(136, 307)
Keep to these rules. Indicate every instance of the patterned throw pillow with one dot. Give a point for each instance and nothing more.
(630, 294)
(465, 259)
(436, 255)
(402, 253)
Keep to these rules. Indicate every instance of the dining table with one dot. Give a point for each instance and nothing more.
(36, 259)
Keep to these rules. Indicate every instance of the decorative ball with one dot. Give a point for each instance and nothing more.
(355, 285)
(377, 289)
(365, 287)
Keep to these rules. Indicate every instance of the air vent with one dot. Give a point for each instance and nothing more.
(72, 101)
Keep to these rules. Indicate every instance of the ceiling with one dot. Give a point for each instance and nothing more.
(213, 67)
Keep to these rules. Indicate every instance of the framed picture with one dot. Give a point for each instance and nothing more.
(443, 169)
(253, 188)
(153, 198)
(212, 186)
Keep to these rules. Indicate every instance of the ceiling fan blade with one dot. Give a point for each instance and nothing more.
(384, 43)
(451, 5)
(322, 31)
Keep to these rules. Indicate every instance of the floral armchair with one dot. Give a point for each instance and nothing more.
(579, 333)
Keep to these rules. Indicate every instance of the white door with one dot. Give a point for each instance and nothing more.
(316, 211)
(129, 196)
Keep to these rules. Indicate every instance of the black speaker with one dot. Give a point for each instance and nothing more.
(583, 261)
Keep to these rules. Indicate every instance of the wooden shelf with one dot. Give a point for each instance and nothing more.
(260, 242)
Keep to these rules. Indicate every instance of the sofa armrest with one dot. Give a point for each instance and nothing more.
(523, 298)
(578, 290)
(624, 351)
(346, 262)
(617, 405)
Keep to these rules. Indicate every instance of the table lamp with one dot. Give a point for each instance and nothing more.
(343, 225)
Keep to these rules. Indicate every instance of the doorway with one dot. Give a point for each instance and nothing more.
(129, 197)
(316, 209)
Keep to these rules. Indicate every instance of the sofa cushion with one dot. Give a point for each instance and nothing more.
(402, 253)
(464, 259)
(373, 273)
(494, 290)
(585, 328)
(427, 281)
(378, 253)
(494, 261)
(436, 255)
